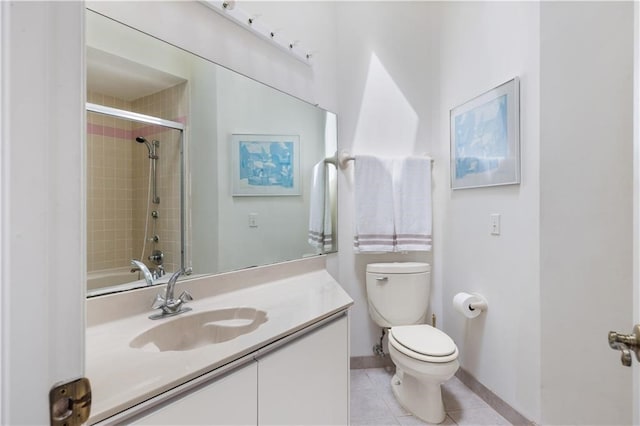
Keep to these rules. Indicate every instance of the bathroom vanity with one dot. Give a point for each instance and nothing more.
(267, 345)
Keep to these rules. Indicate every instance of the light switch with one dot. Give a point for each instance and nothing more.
(253, 220)
(494, 220)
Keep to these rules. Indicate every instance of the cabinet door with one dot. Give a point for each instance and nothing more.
(306, 382)
(230, 400)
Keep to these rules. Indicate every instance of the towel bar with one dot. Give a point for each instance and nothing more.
(332, 160)
(345, 157)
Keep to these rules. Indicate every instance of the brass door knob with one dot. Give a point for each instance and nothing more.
(626, 343)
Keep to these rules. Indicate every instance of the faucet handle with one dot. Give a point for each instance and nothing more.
(185, 296)
(158, 302)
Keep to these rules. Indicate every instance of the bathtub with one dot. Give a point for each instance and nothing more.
(110, 277)
(114, 280)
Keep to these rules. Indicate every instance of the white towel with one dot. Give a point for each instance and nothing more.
(373, 205)
(320, 225)
(412, 203)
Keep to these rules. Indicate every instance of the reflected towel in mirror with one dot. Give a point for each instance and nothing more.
(320, 226)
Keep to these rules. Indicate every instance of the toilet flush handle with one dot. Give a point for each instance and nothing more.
(382, 279)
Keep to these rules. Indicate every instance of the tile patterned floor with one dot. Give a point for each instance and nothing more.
(373, 403)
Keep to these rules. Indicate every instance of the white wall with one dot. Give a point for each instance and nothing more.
(386, 92)
(586, 175)
(484, 44)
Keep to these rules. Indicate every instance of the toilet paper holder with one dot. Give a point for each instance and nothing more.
(480, 304)
(471, 305)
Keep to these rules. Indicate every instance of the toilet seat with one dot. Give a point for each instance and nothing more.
(423, 342)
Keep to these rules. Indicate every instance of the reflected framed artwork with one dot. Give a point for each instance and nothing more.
(265, 165)
(485, 139)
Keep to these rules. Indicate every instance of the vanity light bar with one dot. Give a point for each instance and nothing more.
(250, 23)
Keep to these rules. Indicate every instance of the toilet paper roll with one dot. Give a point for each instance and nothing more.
(462, 303)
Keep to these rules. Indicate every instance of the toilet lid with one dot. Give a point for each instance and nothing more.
(424, 339)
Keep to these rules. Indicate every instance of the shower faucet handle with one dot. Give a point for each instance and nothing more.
(157, 257)
(626, 343)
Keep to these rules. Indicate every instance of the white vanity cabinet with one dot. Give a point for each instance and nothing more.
(306, 382)
(229, 400)
(301, 379)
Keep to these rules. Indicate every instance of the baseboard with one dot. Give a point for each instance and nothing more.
(504, 409)
(372, 361)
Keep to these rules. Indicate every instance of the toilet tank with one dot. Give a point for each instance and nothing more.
(398, 293)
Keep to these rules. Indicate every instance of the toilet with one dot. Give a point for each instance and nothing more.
(425, 357)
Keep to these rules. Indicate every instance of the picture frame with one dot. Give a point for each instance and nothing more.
(485, 139)
(265, 165)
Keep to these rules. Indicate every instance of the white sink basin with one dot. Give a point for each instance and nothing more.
(191, 331)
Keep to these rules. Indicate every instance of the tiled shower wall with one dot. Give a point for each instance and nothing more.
(170, 104)
(109, 193)
(118, 182)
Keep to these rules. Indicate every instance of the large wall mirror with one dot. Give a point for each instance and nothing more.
(191, 165)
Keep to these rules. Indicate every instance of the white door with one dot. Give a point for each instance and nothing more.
(42, 205)
(631, 357)
(628, 340)
(636, 205)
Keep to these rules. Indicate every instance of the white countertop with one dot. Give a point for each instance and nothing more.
(122, 376)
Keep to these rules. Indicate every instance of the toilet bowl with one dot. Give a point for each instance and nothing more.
(425, 357)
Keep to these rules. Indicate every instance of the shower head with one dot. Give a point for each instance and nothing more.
(140, 139)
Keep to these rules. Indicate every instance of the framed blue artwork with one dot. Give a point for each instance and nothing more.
(485, 139)
(265, 165)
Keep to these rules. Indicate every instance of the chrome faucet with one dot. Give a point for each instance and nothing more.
(169, 305)
(139, 266)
